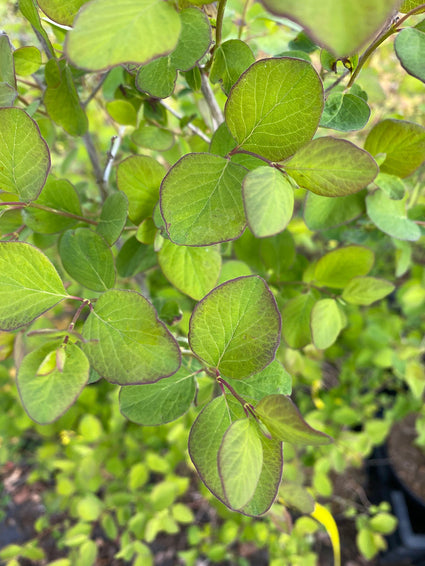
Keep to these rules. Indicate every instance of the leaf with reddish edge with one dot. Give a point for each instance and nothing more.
(285, 423)
(235, 329)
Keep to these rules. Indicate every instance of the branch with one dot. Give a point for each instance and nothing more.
(95, 90)
(115, 145)
(189, 125)
(94, 159)
(215, 110)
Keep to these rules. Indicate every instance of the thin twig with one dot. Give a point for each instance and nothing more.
(95, 90)
(189, 125)
(94, 160)
(115, 145)
(215, 110)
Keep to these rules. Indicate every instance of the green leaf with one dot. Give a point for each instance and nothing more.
(30, 12)
(139, 178)
(236, 328)
(60, 11)
(29, 284)
(146, 231)
(408, 5)
(272, 379)
(285, 423)
(332, 167)
(240, 461)
(403, 144)
(366, 290)
(27, 60)
(153, 137)
(342, 28)
(296, 320)
(337, 268)
(297, 497)
(326, 323)
(391, 185)
(88, 259)
(160, 402)
(200, 210)
(126, 343)
(122, 112)
(409, 47)
(134, 257)
(158, 77)
(58, 194)
(24, 155)
(390, 216)
(204, 444)
(205, 440)
(232, 269)
(321, 213)
(275, 107)
(107, 33)
(61, 99)
(46, 397)
(113, 217)
(269, 201)
(345, 112)
(194, 271)
(278, 253)
(7, 73)
(231, 59)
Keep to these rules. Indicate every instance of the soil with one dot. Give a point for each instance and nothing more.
(407, 459)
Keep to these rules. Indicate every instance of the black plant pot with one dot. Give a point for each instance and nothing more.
(406, 546)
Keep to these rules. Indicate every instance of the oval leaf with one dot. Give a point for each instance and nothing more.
(236, 328)
(126, 343)
(326, 323)
(88, 259)
(403, 144)
(201, 200)
(46, 396)
(366, 290)
(231, 59)
(107, 33)
(321, 213)
(240, 461)
(337, 268)
(61, 99)
(341, 27)
(269, 201)
(296, 320)
(194, 271)
(160, 402)
(345, 112)
(410, 49)
(24, 155)
(204, 444)
(275, 107)
(331, 167)
(158, 77)
(60, 11)
(29, 284)
(272, 379)
(113, 217)
(390, 216)
(285, 423)
(139, 178)
(58, 194)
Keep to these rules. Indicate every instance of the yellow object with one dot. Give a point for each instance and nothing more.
(324, 517)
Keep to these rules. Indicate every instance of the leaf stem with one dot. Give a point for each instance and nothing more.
(394, 28)
(189, 125)
(222, 382)
(219, 23)
(17, 205)
(85, 303)
(242, 23)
